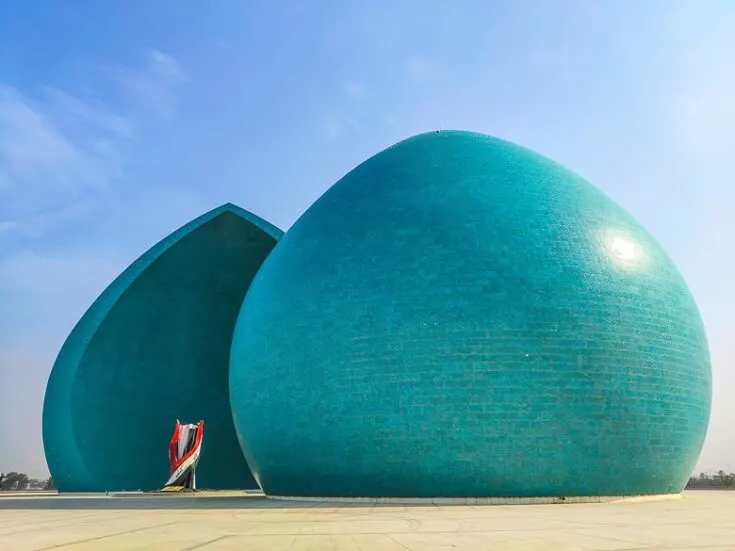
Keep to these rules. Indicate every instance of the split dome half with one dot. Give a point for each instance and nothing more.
(457, 316)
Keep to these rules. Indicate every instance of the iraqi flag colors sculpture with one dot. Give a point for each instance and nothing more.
(183, 455)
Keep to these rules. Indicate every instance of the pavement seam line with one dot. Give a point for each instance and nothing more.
(96, 538)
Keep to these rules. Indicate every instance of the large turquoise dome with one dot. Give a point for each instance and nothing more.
(460, 316)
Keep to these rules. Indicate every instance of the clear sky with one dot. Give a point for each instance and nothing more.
(121, 121)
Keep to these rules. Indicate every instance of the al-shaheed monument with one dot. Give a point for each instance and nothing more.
(458, 316)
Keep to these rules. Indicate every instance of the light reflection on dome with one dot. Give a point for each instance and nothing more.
(622, 250)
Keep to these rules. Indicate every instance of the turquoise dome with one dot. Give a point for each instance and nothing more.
(153, 348)
(460, 316)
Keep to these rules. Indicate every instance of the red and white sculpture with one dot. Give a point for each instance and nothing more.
(183, 455)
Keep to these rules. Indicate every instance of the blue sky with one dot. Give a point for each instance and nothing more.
(119, 122)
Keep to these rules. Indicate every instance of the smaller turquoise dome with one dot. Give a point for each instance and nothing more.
(154, 348)
(461, 317)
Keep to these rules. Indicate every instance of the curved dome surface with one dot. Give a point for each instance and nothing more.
(460, 316)
(153, 348)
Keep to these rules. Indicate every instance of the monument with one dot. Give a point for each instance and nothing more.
(457, 317)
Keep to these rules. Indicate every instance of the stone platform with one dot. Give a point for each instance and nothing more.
(701, 520)
(480, 500)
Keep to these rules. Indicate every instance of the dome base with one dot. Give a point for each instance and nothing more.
(482, 500)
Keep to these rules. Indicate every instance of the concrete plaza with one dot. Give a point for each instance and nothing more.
(701, 520)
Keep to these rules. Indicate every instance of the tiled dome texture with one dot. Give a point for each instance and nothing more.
(152, 349)
(460, 316)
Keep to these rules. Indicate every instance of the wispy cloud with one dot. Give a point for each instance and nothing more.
(331, 125)
(336, 123)
(153, 87)
(78, 115)
(365, 102)
(42, 167)
(61, 149)
(38, 225)
(357, 108)
(422, 69)
(357, 91)
(29, 141)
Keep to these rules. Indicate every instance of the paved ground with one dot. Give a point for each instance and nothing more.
(703, 521)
